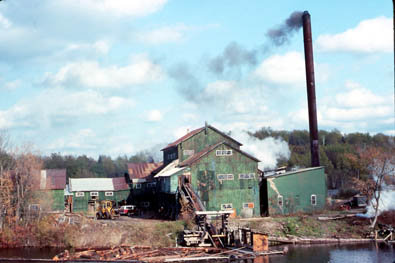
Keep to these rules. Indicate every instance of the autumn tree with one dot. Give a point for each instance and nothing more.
(19, 173)
(381, 165)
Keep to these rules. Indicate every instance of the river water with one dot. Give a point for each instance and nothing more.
(365, 253)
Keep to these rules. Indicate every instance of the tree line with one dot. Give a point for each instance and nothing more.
(345, 156)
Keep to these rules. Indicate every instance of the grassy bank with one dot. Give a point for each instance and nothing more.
(80, 232)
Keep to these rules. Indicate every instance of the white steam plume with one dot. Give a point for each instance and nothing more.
(386, 202)
(267, 150)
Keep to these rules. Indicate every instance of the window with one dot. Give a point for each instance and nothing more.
(79, 194)
(248, 205)
(94, 193)
(145, 204)
(247, 176)
(189, 152)
(313, 199)
(280, 201)
(138, 186)
(151, 185)
(227, 206)
(223, 152)
(109, 193)
(223, 177)
(172, 156)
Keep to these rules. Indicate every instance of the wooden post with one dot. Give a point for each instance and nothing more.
(260, 242)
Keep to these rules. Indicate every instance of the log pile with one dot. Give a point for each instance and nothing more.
(136, 253)
(159, 255)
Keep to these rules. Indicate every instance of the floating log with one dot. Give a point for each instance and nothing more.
(319, 240)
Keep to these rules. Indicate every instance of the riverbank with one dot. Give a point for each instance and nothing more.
(79, 232)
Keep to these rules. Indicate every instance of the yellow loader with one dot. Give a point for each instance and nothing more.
(106, 210)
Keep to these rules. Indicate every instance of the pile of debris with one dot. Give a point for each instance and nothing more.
(170, 254)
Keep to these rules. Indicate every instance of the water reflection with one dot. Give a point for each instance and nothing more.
(361, 253)
(358, 253)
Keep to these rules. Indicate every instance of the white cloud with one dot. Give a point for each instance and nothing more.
(355, 109)
(369, 36)
(57, 106)
(287, 69)
(154, 116)
(100, 47)
(4, 22)
(75, 141)
(168, 34)
(117, 7)
(90, 74)
(12, 85)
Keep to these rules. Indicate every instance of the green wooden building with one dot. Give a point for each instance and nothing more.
(50, 193)
(85, 191)
(303, 190)
(222, 175)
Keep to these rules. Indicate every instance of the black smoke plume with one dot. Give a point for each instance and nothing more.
(233, 56)
(281, 34)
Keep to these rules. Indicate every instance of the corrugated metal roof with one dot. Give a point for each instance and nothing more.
(170, 169)
(190, 134)
(53, 179)
(120, 183)
(91, 184)
(210, 148)
(294, 172)
(183, 138)
(142, 170)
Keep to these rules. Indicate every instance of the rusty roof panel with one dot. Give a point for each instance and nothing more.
(55, 179)
(142, 170)
(183, 138)
(119, 183)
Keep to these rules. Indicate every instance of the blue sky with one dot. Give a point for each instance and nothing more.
(117, 77)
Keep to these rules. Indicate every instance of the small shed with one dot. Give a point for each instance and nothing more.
(86, 190)
(303, 190)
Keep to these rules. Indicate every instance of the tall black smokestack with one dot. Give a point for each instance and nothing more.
(308, 54)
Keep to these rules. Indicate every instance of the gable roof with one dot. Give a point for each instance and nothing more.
(142, 170)
(53, 179)
(183, 138)
(97, 184)
(192, 133)
(194, 158)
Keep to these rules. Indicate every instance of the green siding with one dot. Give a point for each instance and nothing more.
(200, 141)
(296, 189)
(169, 184)
(80, 204)
(214, 192)
(52, 200)
(57, 200)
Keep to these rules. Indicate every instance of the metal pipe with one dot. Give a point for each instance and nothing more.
(308, 53)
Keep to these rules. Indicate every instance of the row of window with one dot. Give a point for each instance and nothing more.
(82, 194)
(172, 156)
(280, 200)
(229, 206)
(149, 185)
(223, 177)
(223, 152)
